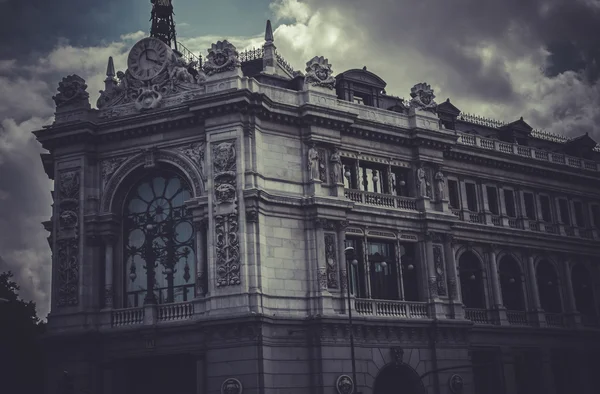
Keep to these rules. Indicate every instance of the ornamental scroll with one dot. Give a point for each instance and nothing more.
(226, 214)
(67, 256)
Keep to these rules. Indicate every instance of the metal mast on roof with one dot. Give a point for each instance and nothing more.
(163, 25)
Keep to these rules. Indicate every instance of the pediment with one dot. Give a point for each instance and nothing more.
(519, 126)
(363, 77)
(448, 108)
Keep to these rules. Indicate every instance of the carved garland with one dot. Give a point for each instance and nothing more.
(67, 267)
(226, 220)
(439, 270)
(331, 259)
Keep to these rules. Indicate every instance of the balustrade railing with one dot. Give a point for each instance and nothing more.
(178, 311)
(475, 217)
(534, 226)
(555, 320)
(496, 220)
(477, 315)
(402, 309)
(127, 317)
(381, 200)
(526, 151)
(517, 317)
(586, 233)
(550, 228)
(513, 223)
(570, 231)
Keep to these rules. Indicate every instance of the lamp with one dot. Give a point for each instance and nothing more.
(347, 174)
(410, 267)
(511, 280)
(375, 178)
(383, 264)
(354, 262)
(472, 277)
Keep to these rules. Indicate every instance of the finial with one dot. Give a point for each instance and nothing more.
(364, 68)
(110, 69)
(448, 100)
(521, 118)
(269, 32)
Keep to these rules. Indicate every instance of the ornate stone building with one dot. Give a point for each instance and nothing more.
(210, 217)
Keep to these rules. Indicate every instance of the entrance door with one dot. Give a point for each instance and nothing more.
(164, 374)
(401, 379)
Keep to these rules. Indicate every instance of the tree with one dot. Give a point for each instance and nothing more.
(21, 368)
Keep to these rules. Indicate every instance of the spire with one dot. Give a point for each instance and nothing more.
(269, 32)
(110, 69)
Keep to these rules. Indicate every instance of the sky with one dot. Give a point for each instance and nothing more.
(539, 59)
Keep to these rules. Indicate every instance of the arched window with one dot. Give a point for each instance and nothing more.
(547, 281)
(582, 290)
(158, 240)
(471, 281)
(410, 275)
(511, 284)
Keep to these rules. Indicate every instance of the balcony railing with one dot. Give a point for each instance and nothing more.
(555, 320)
(526, 151)
(496, 220)
(381, 200)
(127, 317)
(518, 318)
(476, 217)
(172, 312)
(402, 309)
(477, 315)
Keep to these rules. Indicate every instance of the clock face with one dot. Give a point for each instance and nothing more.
(148, 58)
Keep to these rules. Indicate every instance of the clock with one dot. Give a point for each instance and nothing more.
(148, 58)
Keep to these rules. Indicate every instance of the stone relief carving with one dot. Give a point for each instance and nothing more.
(222, 56)
(336, 166)
(231, 386)
(322, 168)
(452, 288)
(439, 270)
(252, 215)
(72, 92)
(322, 278)
(195, 152)
(314, 163)
(422, 98)
(224, 167)
(228, 249)
(433, 287)
(440, 184)
(67, 272)
(456, 384)
(319, 73)
(344, 385)
(331, 259)
(108, 168)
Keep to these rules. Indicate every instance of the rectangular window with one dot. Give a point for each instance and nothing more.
(492, 195)
(509, 201)
(546, 211)
(596, 215)
(529, 206)
(563, 205)
(453, 194)
(471, 197)
(356, 276)
(578, 208)
(383, 269)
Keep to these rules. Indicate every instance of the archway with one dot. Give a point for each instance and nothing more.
(471, 281)
(398, 379)
(511, 284)
(547, 281)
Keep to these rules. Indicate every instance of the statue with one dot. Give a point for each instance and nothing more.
(440, 183)
(178, 71)
(72, 93)
(222, 56)
(422, 182)
(313, 162)
(422, 98)
(319, 73)
(336, 164)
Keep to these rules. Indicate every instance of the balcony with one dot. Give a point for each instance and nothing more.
(381, 200)
(164, 313)
(477, 315)
(385, 308)
(517, 318)
(555, 320)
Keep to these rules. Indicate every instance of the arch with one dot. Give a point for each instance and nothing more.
(470, 268)
(581, 280)
(113, 191)
(547, 279)
(398, 378)
(469, 249)
(511, 284)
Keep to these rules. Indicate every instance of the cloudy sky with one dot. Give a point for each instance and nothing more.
(539, 59)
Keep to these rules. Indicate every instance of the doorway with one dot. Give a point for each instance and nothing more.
(398, 379)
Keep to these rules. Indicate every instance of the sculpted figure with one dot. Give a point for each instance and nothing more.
(313, 162)
(336, 164)
(422, 182)
(440, 182)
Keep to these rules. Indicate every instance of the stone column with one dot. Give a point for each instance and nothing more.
(201, 282)
(502, 206)
(498, 307)
(537, 312)
(344, 279)
(453, 280)
(485, 202)
(367, 266)
(520, 209)
(109, 241)
(431, 276)
(573, 316)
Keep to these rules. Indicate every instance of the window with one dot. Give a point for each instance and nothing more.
(529, 206)
(357, 268)
(471, 197)
(410, 277)
(545, 205)
(471, 281)
(563, 205)
(549, 292)
(509, 201)
(596, 215)
(382, 266)
(158, 232)
(578, 209)
(453, 194)
(372, 179)
(492, 195)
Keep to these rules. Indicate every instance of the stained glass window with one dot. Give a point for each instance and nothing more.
(158, 233)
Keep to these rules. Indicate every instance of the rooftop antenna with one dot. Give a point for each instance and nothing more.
(163, 25)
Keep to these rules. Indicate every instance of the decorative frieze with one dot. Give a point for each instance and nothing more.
(332, 262)
(228, 249)
(195, 152)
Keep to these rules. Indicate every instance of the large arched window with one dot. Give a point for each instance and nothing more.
(511, 284)
(471, 281)
(582, 290)
(158, 240)
(547, 281)
(410, 273)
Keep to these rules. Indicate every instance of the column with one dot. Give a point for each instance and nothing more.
(573, 316)
(429, 263)
(400, 271)
(453, 280)
(366, 265)
(499, 310)
(485, 202)
(201, 282)
(537, 313)
(520, 209)
(463, 199)
(108, 271)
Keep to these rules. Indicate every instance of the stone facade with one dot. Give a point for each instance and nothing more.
(475, 245)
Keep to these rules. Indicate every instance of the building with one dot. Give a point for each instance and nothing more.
(248, 197)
